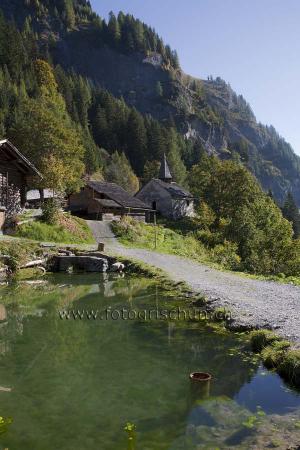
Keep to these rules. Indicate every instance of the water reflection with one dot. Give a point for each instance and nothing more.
(75, 384)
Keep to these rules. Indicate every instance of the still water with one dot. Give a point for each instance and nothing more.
(74, 384)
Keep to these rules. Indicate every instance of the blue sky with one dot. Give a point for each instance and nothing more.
(252, 44)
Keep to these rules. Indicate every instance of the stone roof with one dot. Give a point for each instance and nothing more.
(174, 189)
(106, 202)
(118, 194)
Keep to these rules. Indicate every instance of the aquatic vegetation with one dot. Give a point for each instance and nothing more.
(5, 422)
(130, 429)
(254, 420)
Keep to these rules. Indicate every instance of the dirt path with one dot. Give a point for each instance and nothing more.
(252, 302)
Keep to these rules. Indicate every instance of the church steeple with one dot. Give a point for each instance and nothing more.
(164, 172)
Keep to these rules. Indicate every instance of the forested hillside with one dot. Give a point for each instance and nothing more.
(123, 89)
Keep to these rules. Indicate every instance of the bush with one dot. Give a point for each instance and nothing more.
(50, 208)
(205, 216)
(209, 238)
(226, 255)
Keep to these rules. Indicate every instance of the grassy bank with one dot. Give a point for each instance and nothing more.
(182, 238)
(181, 241)
(15, 253)
(278, 354)
(67, 230)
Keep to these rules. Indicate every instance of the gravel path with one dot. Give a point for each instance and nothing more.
(263, 304)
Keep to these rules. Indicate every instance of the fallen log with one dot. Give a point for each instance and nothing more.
(37, 262)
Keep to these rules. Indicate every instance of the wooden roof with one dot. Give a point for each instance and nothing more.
(118, 194)
(10, 155)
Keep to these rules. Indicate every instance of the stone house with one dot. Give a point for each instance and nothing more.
(106, 201)
(167, 197)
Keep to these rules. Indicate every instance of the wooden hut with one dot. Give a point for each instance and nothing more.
(15, 174)
(104, 201)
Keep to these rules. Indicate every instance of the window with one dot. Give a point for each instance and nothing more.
(154, 205)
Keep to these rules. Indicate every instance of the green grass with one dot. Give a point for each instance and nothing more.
(176, 238)
(262, 338)
(140, 235)
(68, 230)
(277, 354)
(180, 238)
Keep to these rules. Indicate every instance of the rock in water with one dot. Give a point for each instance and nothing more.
(79, 263)
(117, 267)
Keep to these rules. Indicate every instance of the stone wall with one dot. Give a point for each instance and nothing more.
(165, 204)
(183, 208)
(151, 193)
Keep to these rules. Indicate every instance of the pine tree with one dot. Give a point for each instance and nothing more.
(69, 13)
(114, 29)
(151, 170)
(136, 141)
(291, 212)
(177, 166)
(159, 90)
(120, 171)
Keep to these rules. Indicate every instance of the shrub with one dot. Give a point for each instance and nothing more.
(209, 238)
(50, 208)
(226, 255)
(205, 215)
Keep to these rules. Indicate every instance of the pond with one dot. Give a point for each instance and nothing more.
(74, 383)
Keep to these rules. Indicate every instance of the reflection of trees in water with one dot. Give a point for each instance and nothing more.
(94, 376)
(224, 355)
(11, 326)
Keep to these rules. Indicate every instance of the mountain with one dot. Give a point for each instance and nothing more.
(128, 59)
